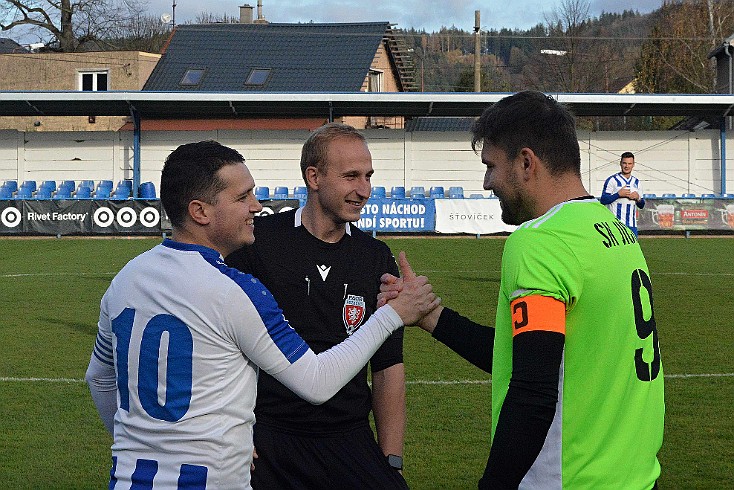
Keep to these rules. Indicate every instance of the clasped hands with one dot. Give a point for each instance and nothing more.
(411, 296)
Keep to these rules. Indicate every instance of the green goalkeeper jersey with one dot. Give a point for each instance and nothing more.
(608, 424)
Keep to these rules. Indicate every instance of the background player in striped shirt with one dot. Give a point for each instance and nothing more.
(577, 380)
(181, 337)
(622, 193)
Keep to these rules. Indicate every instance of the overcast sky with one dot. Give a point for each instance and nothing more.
(430, 15)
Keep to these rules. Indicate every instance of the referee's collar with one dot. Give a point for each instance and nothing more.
(297, 222)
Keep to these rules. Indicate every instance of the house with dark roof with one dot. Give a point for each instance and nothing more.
(7, 45)
(279, 57)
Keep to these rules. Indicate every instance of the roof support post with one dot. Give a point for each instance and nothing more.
(722, 138)
(136, 151)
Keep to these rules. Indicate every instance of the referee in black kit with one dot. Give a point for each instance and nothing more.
(325, 274)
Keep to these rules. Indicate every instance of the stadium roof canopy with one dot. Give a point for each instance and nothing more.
(193, 105)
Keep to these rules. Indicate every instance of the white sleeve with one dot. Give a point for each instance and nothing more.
(317, 378)
(103, 385)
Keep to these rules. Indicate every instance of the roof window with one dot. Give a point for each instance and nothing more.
(258, 76)
(192, 76)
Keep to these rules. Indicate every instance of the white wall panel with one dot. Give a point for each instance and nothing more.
(667, 161)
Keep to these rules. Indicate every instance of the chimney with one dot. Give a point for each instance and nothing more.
(260, 19)
(246, 14)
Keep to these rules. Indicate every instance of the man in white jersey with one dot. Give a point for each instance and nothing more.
(622, 193)
(181, 336)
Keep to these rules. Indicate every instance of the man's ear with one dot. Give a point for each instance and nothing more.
(530, 162)
(312, 177)
(199, 212)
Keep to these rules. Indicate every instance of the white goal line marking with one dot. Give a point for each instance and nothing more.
(416, 382)
(50, 274)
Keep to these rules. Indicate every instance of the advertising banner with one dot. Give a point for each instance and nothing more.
(475, 216)
(96, 217)
(134, 217)
(11, 217)
(686, 214)
(273, 206)
(398, 215)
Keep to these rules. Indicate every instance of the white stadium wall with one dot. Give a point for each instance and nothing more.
(675, 162)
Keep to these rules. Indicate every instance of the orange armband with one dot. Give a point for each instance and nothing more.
(538, 313)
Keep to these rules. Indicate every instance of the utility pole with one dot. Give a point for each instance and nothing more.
(477, 54)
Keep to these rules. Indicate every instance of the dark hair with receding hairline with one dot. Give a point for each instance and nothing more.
(190, 172)
(316, 148)
(532, 120)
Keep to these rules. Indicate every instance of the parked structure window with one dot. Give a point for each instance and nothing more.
(258, 76)
(375, 81)
(94, 81)
(192, 76)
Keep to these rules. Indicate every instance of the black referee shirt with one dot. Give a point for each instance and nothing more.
(326, 291)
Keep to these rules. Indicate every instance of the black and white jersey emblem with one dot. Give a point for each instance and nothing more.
(324, 271)
(353, 313)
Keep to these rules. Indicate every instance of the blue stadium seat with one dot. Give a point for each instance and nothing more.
(83, 192)
(417, 192)
(476, 196)
(437, 192)
(146, 190)
(728, 196)
(44, 192)
(11, 184)
(262, 192)
(378, 191)
(24, 192)
(102, 193)
(397, 192)
(6, 193)
(70, 184)
(30, 184)
(280, 192)
(121, 193)
(708, 196)
(688, 195)
(648, 196)
(456, 192)
(63, 193)
(105, 184)
(300, 192)
(87, 183)
(48, 184)
(670, 196)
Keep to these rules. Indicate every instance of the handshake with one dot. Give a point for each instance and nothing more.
(411, 296)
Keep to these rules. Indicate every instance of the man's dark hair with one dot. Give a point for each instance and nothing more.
(531, 120)
(627, 154)
(190, 172)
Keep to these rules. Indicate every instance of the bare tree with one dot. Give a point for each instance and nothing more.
(211, 18)
(566, 24)
(674, 59)
(68, 23)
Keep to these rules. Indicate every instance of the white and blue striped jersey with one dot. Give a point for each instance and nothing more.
(181, 336)
(623, 208)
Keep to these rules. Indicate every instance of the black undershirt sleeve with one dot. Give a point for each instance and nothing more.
(528, 409)
(472, 341)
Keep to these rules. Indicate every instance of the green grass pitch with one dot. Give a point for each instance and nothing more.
(49, 301)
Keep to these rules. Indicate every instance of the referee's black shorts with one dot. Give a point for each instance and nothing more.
(350, 459)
